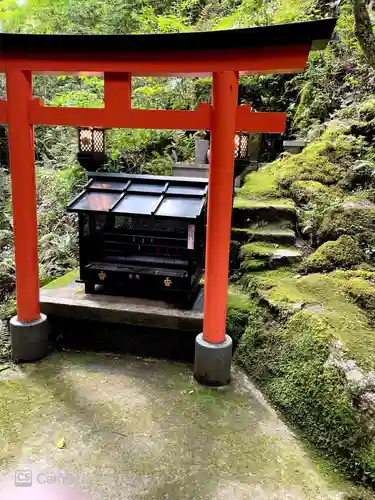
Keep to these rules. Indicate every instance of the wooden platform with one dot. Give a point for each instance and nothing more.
(65, 298)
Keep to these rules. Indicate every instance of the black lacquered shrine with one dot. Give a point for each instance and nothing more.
(142, 235)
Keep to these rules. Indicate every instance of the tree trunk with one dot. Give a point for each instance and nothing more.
(363, 30)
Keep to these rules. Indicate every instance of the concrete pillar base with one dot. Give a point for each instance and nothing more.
(212, 361)
(29, 340)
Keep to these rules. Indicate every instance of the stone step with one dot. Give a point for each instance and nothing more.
(248, 212)
(258, 255)
(272, 233)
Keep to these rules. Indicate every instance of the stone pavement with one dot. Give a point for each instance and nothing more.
(143, 429)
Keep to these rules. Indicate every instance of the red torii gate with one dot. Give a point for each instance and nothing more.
(224, 55)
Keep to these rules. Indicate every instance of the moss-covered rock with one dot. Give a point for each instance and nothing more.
(239, 307)
(325, 160)
(303, 192)
(325, 295)
(354, 218)
(290, 363)
(360, 175)
(260, 185)
(312, 164)
(316, 362)
(271, 254)
(272, 233)
(343, 253)
(358, 285)
(247, 212)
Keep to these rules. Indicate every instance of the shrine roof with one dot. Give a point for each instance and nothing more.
(143, 195)
(316, 33)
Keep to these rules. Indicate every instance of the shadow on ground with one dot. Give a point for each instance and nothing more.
(137, 429)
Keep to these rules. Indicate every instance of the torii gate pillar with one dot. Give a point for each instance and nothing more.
(213, 348)
(29, 329)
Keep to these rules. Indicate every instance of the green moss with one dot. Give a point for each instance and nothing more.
(344, 253)
(269, 232)
(259, 249)
(350, 220)
(328, 297)
(326, 160)
(63, 280)
(260, 185)
(358, 285)
(312, 191)
(8, 309)
(277, 288)
(239, 306)
(252, 264)
(263, 253)
(279, 204)
(312, 164)
(272, 230)
(290, 364)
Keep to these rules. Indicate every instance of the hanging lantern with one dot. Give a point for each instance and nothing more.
(91, 148)
(241, 153)
(241, 146)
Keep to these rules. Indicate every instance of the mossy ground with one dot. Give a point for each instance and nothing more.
(140, 428)
(63, 280)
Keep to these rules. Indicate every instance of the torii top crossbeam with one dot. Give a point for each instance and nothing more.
(223, 54)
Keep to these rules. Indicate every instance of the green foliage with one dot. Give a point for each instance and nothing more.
(343, 253)
(148, 151)
(58, 249)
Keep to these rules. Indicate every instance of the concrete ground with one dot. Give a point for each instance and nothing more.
(143, 429)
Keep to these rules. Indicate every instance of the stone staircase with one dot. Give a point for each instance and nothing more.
(263, 227)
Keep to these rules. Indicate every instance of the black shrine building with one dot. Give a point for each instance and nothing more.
(142, 235)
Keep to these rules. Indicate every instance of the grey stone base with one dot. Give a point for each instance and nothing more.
(29, 340)
(212, 362)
